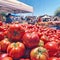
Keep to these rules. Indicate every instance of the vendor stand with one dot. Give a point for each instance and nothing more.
(52, 24)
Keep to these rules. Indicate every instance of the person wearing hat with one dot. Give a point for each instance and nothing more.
(9, 18)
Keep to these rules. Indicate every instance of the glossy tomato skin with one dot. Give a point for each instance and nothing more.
(16, 50)
(58, 58)
(57, 54)
(7, 58)
(15, 32)
(51, 46)
(1, 36)
(1, 23)
(0, 47)
(4, 44)
(53, 58)
(39, 53)
(31, 28)
(45, 38)
(31, 39)
(4, 55)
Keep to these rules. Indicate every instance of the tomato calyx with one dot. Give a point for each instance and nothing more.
(15, 33)
(15, 45)
(40, 51)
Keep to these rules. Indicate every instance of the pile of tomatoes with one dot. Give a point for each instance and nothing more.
(29, 42)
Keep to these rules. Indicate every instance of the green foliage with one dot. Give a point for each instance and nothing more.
(57, 12)
(3, 14)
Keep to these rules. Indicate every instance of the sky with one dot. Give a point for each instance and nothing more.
(42, 7)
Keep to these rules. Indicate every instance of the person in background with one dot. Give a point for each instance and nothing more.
(9, 18)
(39, 19)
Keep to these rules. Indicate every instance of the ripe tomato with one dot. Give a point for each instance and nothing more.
(39, 53)
(1, 36)
(58, 58)
(4, 55)
(51, 46)
(53, 58)
(7, 58)
(16, 50)
(57, 54)
(44, 38)
(51, 53)
(0, 46)
(32, 28)
(4, 44)
(1, 23)
(31, 39)
(15, 32)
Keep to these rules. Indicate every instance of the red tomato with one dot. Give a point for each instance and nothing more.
(15, 32)
(44, 38)
(39, 53)
(5, 33)
(16, 50)
(40, 34)
(31, 28)
(57, 54)
(58, 58)
(51, 46)
(7, 58)
(0, 53)
(1, 23)
(4, 55)
(55, 40)
(53, 58)
(51, 53)
(0, 47)
(4, 44)
(1, 36)
(31, 39)
(2, 29)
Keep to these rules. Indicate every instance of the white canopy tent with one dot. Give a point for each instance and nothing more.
(14, 6)
(45, 17)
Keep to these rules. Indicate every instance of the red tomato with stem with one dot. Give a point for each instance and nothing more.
(39, 53)
(16, 50)
(51, 46)
(15, 32)
(31, 39)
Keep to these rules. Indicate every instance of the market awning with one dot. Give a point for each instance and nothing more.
(15, 6)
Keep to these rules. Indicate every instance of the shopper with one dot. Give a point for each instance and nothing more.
(39, 19)
(9, 18)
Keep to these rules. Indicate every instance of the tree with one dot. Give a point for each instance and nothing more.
(57, 12)
(3, 14)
